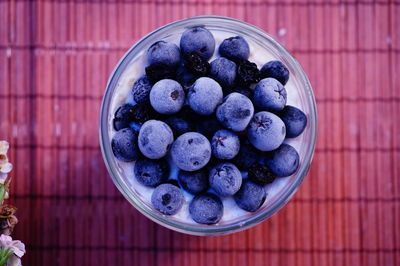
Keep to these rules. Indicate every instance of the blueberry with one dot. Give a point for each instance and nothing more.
(204, 96)
(266, 131)
(155, 139)
(235, 48)
(167, 199)
(247, 156)
(235, 112)
(179, 125)
(260, 174)
(225, 179)
(124, 145)
(223, 71)
(250, 197)
(208, 126)
(164, 53)
(283, 161)
(276, 70)
(141, 89)
(295, 121)
(270, 94)
(198, 40)
(206, 209)
(151, 173)
(194, 182)
(123, 116)
(167, 96)
(225, 145)
(191, 151)
(185, 77)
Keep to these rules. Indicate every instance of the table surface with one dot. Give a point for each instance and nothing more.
(55, 59)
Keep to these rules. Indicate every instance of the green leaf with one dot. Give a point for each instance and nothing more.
(4, 255)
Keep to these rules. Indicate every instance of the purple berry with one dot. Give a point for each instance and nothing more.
(276, 70)
(283, 161)
(266, 131)
(151, 173)
(225, 179)
(250, 197)
(167, 199)
(206, 209)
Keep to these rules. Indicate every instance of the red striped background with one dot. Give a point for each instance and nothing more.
(55, 59)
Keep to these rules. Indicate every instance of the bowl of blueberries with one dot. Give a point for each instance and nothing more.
(208, 125)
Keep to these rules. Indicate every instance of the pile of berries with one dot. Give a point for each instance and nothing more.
(215, 121)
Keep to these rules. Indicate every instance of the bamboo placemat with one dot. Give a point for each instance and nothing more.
(55, 59)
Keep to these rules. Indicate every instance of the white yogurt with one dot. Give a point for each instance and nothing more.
(122, 95)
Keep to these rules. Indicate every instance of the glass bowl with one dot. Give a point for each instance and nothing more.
(299, 93)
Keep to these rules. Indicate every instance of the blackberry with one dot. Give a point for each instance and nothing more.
(156, 72)
(260, 174)
(247, 73)
(123, 116)
(141, 89)
(197, 65)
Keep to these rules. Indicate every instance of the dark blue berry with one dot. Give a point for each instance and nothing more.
(235, 112)
(163, 53)
(235, 48)
(247, 156)
(283, 161)
(250, 197)
(155, 139)
(223, 71)
(204, 96)
(208, 126)
(194, 182)
(266, 131)
(206, 209)
(124, 145)
(295, 121)
(276, 70)
(185, 77)
(260, 174)
(151, 173)
(123, 116)
(141, 89)
(179, 125)
(269, 94)
(191, 151)
(198, 40)
(225, 144)
(225, 179)
(167, 96)
(167, 199)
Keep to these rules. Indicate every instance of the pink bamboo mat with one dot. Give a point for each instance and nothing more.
(55, 59)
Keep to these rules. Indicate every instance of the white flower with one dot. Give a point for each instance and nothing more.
(14, 261)
(16, 246)
(4, 147)
(5, 166)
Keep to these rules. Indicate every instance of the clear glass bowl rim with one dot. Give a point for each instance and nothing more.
(214, 229)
